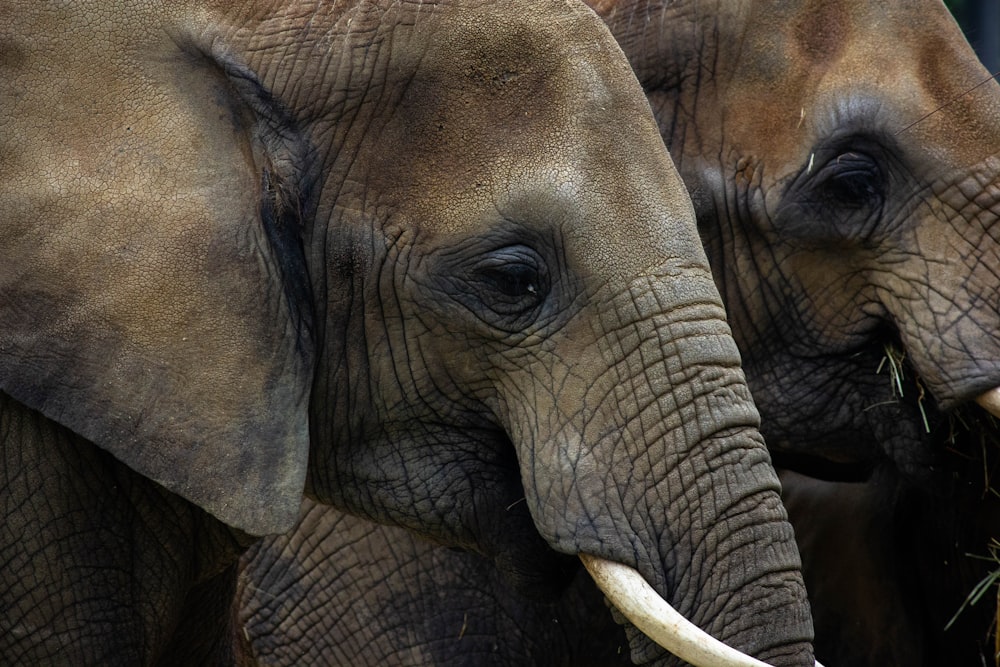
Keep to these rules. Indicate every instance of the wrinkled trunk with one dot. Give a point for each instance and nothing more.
(660, 467)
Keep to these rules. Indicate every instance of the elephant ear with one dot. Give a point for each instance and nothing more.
(153, 291)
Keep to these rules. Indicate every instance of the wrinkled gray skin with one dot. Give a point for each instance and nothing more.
(844, 165)
(428, 262)
(339, 590)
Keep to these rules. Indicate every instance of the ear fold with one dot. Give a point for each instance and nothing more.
(153, 291)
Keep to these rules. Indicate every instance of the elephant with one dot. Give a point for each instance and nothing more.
(400, 257)
(850, 220)
(844, 163)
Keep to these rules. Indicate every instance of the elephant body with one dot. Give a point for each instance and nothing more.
(339, 590)
(843, 162)
(400, 256)
(102, 565)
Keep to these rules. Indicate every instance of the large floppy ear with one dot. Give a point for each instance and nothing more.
(153, 291)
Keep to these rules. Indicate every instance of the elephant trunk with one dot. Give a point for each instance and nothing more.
(670, 475)
(740, 571)
(732, 564)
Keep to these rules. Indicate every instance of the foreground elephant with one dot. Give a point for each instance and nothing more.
(402, 255)
(844, 162)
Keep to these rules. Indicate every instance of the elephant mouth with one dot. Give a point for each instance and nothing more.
(542, 576)
(963, 437)
(878, 415)
(902, 427)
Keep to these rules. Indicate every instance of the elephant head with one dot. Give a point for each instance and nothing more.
(844, 163)
(403, 256)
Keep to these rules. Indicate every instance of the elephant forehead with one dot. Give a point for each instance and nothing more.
(830, 57)
(535, 124)
(526, 77)
(615, 201)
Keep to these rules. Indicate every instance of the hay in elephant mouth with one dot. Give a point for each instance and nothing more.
(968, 444)
(968, 436)
(895, 362)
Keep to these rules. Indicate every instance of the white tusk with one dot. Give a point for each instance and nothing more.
(990, 401)
(643, 606)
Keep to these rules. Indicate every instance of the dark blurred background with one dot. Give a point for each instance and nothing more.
(980, 19)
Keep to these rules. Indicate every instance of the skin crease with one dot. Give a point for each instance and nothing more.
(251, 249)
(821, 268)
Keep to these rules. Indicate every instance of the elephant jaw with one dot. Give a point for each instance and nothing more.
(990, 401)
(650, 613)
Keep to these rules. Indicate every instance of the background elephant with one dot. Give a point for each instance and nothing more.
(403, 256)
(844, 161)
(846, 192)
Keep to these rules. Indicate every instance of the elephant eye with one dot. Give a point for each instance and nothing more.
(839, 196)
(852, 180)
(511, 281)
(514, 280)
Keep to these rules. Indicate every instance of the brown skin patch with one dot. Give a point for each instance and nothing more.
(822, 30)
